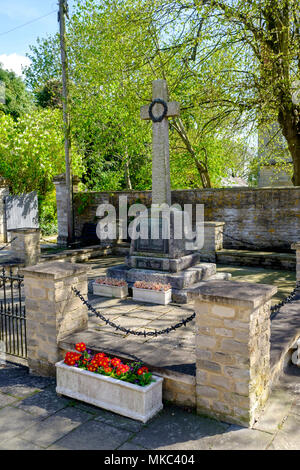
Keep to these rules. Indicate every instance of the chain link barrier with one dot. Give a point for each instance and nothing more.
(128, 330)
(275, 309)
(289, 299)
(8, 243)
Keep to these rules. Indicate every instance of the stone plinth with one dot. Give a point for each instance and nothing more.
(52, 310)
(61, 204)
(296, 246)
(233, 350)
(4, 191)
(25, 245)
(213, 240)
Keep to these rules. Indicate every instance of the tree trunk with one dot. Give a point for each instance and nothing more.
(127, 174)
(290, 125)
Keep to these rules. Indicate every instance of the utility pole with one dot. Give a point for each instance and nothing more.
(63, 10)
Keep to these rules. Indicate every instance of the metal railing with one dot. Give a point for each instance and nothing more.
(12, 314)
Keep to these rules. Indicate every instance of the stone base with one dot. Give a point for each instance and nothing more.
(173, 265)
(181, 282)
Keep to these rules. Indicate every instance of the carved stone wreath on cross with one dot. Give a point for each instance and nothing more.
(164, 113)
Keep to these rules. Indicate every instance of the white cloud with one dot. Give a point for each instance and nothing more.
(14, 62)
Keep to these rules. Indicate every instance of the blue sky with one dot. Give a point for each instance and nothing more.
(14, 13)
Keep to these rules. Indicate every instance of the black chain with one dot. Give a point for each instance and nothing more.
(289, 299)
(127, 330)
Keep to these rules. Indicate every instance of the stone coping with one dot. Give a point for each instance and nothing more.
(245, 294)
(55, 270)
(24, 230)
(238, 188)
(213, 224)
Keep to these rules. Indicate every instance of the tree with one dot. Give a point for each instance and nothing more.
(18, 100)
(50, 95)
(34, 146)
(259, 41)
(116, 50)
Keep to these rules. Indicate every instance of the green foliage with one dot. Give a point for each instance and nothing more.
(18, 100)
(115, 51)
(50, 95)
(31, 154)
(48, 214)
(34, 146)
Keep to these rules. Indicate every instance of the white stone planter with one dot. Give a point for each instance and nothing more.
(126, 399)
(152, 296)
(104, 290)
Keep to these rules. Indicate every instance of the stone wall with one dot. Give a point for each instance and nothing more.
(296, 246)
(233, 350)
(52, 311)
(25, 245)
(258, 219)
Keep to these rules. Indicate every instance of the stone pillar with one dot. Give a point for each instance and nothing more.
(233, 350)
(61, 204)
(296, 246)
(52, 311)
(213, 240)
(25, 245)
(4, 191)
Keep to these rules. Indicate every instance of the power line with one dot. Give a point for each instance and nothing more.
(29, 22)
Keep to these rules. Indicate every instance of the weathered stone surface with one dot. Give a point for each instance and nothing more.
(93, 435)
(48, 431)
(263, 216)
(52, 311)
(233, 384)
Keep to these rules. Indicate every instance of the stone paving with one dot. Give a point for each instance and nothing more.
(33, 417)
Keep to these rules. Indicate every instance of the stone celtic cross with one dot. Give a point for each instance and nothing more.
(159, 111)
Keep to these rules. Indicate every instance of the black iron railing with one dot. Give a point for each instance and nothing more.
(12, 315)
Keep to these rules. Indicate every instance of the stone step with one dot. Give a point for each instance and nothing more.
(221, 277)
(265, 259)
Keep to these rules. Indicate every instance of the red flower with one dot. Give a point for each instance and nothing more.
(115, 362)
(140, 372)
(99, 356)
(81, 347)
(108, 370)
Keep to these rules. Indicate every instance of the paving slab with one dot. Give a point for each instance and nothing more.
(288, 438)
(237, 438)
(18, 444)
(119, 422)
(275, 412)
(24, 385)
(94, 435)
(51, 429)
(174, 427)
(130, 446)
(14, 422)
(44, 403)
(6, 400)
